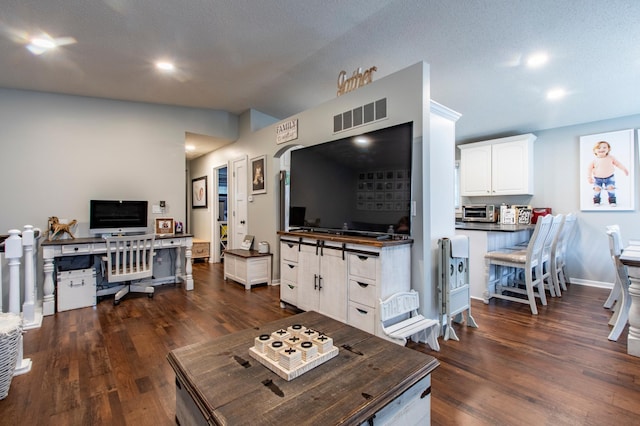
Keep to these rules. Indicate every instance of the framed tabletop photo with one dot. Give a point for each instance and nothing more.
(165, 226)
(199, 193)
(258, 173)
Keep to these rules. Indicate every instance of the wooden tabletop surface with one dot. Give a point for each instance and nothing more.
(230, 387)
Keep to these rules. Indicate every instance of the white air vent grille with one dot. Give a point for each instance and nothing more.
(360, 115)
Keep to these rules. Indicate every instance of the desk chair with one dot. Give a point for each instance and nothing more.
(128, 259)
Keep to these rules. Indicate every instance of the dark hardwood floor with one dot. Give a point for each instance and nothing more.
(107, 366)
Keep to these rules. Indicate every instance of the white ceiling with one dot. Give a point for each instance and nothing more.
(282, 57)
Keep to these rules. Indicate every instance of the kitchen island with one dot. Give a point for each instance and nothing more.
(485, 237)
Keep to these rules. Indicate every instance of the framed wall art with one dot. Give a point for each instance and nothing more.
(258, 174)
(606, 171)
(199, 193)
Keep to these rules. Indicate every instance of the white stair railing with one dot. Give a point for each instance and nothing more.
(19, 246)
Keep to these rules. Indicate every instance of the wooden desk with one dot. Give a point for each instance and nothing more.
(54, 249)
(218, 382)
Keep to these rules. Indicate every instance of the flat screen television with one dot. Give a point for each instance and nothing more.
(117, 217)
(355, 185)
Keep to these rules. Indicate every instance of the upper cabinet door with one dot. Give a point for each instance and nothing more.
(475, 171)
(510, 173)
(497, 167)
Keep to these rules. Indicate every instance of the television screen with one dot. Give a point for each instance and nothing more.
(359, 184)
(117, 217)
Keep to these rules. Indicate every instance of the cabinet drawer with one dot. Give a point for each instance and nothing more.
(289, 251)
(289, 271)
(170, 242)
(363, 266)
(362, 317)
(289, 292)
(363, 292)
(76, 248)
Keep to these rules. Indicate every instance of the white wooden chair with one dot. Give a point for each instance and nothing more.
(620, 291)
(501, 267)
(128, 259)
(400, 320)
(559, 252)
(547, 256)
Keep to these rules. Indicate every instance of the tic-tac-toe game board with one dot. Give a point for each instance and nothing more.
(293, 351)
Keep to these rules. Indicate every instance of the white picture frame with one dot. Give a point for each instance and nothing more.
(622, 153)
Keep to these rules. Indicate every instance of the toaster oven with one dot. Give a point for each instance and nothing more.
(479, 213)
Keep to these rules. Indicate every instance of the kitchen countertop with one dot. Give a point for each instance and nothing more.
(493, 227)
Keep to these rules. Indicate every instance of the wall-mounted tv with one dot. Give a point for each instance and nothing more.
(117, 217)
(360, 184)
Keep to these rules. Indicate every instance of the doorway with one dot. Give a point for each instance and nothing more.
(219, 227)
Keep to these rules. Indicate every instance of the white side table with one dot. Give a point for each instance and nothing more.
(248, 267)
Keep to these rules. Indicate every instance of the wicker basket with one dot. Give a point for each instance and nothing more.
(10, 332)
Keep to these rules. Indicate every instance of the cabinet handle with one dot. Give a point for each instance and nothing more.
(291, 266)
(315, 281)
(319, 282)
(363, 285)
(362, 257)
(362, 311)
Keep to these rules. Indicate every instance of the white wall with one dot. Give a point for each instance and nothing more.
(57, 152)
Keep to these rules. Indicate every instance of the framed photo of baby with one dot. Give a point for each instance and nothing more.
(258, 174)
(606, 171)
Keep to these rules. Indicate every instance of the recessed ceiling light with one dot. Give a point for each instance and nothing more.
(165, 66)
(555, 94)
(189, 148)
(43, 43)
(537, 60)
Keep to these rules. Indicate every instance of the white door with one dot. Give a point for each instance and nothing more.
(238, 218)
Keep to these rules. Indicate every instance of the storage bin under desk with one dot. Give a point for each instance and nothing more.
(248, 267)
(76, 289)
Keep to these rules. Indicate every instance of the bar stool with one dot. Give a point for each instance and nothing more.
(528, 260)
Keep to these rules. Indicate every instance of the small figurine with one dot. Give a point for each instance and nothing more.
(59, 229)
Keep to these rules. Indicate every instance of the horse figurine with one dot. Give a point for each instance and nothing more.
(59, 229)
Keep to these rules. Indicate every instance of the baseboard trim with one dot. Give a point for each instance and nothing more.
(591, 283)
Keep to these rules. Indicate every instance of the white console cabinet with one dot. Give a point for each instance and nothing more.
(497, 167)
(343, 277)
(321, 278)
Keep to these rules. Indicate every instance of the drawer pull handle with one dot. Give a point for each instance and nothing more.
(291, 266)
(363, 258)
(291, 286)
(362, 311)
(363, 285)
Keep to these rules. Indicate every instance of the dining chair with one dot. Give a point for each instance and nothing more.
(621, 285)
(615, 249)
(501, 267)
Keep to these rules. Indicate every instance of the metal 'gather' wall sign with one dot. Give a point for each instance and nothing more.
(357, 79)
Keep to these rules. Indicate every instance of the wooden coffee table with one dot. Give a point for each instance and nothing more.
(218, 382)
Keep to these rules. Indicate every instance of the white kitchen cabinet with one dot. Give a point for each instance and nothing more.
(343, 277)
(497, 167)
